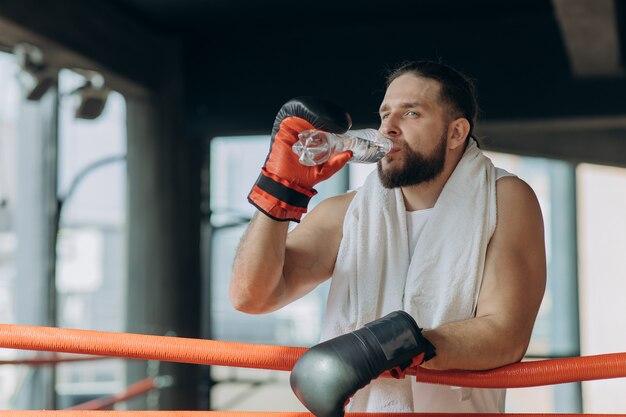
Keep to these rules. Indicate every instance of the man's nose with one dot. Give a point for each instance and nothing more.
(389, 127)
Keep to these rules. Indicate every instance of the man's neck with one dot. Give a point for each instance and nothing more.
(424, 196)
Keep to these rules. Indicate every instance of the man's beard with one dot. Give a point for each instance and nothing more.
(417, 169)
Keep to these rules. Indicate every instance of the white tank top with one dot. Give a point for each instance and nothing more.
(415, 222)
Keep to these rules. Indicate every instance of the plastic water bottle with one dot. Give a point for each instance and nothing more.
(315, 147)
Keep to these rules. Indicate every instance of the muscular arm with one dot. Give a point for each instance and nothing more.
(512, 289)
(273, 267)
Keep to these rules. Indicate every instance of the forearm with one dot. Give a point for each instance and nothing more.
(258, 267)
(476, 344)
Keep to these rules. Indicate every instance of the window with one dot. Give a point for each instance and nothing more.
(602, 245)
(556, 329)
(9, 106)
(91, 248)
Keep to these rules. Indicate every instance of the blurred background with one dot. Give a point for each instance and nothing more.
(132, 130)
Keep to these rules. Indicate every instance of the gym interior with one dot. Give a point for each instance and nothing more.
(131, 132)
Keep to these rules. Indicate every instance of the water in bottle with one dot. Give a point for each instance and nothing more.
(315, 147)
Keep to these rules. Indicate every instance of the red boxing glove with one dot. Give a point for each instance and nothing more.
(285, 186)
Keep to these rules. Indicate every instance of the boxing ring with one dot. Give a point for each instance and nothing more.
(98, 345)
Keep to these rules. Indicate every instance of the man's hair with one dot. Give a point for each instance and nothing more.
(457, 90)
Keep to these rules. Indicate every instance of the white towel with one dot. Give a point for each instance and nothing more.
(438, 283)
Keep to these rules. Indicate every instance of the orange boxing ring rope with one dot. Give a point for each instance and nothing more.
(138, 346)
(211, 352)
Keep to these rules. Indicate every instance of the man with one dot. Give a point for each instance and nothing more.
(475, 284)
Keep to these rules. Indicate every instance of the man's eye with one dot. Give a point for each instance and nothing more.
(384, 116)
(412, 113)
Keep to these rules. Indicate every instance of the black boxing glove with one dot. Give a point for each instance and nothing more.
(285, 186)
(329, 373)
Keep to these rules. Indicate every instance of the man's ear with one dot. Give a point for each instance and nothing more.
(458, 130)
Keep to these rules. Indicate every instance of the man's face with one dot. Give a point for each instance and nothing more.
(415, 120)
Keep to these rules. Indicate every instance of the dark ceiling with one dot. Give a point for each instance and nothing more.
(197, 15)
(242, 59)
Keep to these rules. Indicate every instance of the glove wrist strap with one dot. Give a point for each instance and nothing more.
(399, 343)
(279, 199)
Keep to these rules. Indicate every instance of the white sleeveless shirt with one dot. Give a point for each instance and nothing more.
(415, 222)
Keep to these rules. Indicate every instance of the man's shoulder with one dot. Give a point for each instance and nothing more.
(331, 211)
(511, 190)
(336, 206)
(342, 200)
(517, 204)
